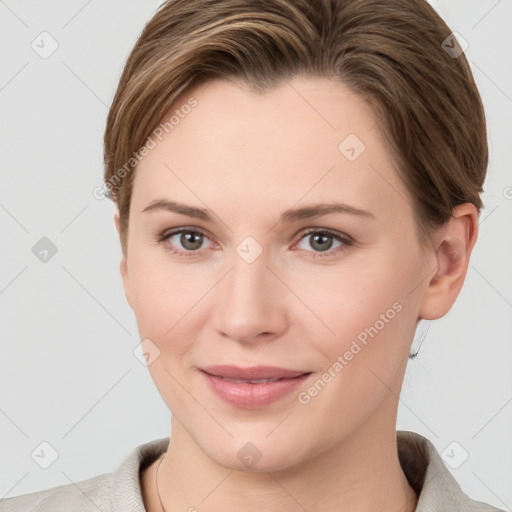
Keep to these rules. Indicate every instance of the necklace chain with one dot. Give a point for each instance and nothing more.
(156, 481)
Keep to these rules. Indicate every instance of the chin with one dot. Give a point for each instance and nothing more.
(257, 456)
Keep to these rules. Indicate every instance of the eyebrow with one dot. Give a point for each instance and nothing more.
(290, 215)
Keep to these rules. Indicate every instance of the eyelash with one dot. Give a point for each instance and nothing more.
(345, 239)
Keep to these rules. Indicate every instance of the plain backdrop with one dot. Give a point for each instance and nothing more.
(68, 373)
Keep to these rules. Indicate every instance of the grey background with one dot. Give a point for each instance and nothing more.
(68, 373)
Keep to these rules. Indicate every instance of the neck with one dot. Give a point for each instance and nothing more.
(362, 473)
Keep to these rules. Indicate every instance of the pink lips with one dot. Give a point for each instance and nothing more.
(253, 387)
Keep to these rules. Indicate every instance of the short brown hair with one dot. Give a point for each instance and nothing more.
(394, 53)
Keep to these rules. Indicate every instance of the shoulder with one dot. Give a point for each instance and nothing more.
(118, 491)
(84, 496)
(428, 475)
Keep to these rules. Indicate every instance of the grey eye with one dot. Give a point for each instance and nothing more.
(320, 241)
(188, 240)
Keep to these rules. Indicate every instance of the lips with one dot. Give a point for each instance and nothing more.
(253, 373)
(254, 387)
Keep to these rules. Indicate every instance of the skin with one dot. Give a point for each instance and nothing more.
(247, 158)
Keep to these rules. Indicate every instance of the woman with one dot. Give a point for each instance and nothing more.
(297, 186)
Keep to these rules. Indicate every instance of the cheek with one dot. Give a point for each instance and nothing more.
(161, 292)
(162, 302)
(367, 318)
(358, 365)
(351, 297)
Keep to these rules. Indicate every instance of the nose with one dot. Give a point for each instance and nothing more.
(251, 302)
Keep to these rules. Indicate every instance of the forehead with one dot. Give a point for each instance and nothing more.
(307, 139)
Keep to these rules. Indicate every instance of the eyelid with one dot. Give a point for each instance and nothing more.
(345, 239)
(163, 237)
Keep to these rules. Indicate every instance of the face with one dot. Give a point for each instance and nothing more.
(332, 297)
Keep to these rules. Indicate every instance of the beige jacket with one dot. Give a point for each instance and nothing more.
(120, 491)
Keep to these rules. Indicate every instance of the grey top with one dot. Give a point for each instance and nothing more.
(120, 490)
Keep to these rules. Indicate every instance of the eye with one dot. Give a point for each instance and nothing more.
(321, 240)
(190, 240)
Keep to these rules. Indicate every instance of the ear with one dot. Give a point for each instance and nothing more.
(123, 267)
(453, 244)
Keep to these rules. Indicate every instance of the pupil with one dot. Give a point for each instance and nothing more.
(323, 239)
(188, 238)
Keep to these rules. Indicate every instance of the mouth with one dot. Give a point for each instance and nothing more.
(252, 381)
(252, 373)
(252, 387)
